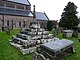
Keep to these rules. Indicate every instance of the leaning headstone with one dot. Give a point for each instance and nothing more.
(2, 28)
(8, 30)
(55, 33)
(75, 33)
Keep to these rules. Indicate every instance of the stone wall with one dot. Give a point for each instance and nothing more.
(19, 21)
(16, 21)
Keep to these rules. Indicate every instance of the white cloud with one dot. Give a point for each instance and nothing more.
(53, 8)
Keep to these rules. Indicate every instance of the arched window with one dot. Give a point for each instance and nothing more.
(14, 23)
(20, 23)
(7, 22)
(24, 23)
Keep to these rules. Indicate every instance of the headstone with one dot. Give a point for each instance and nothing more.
(2, 28)
(75, 33)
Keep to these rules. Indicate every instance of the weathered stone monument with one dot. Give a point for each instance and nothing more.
(55, 50)
(30, 38)
(67, 33)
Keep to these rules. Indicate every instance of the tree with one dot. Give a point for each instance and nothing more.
(49, 25)
(69, 17)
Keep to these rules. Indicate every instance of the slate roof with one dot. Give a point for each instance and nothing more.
(41, 16)
(8, 11)
(20, 1)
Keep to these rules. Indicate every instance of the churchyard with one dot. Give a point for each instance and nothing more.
(8, 52)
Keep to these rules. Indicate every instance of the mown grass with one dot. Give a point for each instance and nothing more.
(8, 52)
(76, 55)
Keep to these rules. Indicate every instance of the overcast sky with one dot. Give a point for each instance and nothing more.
(53, 8)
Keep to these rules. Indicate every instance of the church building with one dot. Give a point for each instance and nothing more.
(18, 14)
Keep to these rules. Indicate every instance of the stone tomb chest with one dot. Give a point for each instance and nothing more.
(53, 50)
(67, 33)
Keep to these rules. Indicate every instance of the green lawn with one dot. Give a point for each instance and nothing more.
(76, 55)
(8, 52)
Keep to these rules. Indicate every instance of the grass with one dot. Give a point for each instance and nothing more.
(8, 52)
(76, 55)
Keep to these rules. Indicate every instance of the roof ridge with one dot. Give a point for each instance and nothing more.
(28, 2)
(46, 15)
(25, 2)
